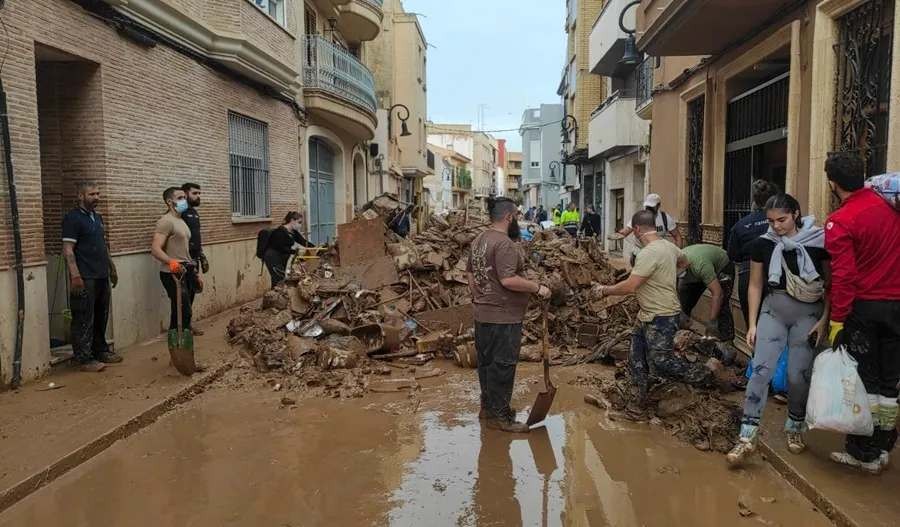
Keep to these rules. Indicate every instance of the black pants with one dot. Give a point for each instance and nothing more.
(744, 294)
(90, 312)
(498, 353)
(690, 293)
(872, 336)
(276, 263)
(188, 292)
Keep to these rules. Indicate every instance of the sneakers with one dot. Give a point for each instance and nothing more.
(872, 467)
(110, 357)
(92, 366)
(795, 442)
(885, 459)
(507, 425)
(745, 447)
(741, 452)
(793, 430)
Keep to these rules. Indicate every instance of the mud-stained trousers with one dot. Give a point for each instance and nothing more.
(782, 320)
(872, 336)
(90, 313)
(653, 354)
(498, 353)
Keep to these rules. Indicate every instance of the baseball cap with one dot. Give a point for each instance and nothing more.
(652, 200)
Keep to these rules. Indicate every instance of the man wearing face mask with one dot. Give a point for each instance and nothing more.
(653, 282)
(500, 292)
(171, 247)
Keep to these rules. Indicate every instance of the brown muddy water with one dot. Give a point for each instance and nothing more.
(236, 456)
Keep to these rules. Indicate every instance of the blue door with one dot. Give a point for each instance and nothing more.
(321, 192)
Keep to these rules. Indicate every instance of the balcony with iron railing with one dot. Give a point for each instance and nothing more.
(334, 70)
(360, 20)
(644, 87)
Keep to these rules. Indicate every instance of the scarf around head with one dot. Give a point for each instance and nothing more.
(808, 235)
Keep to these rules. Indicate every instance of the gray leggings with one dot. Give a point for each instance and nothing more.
(782, 320)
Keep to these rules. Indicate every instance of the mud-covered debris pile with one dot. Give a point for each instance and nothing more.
(705, 418)
(374, 299)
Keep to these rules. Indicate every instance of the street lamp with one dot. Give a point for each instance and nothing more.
(630, 56)
(569, 125)
(404, 129)
(554, 166)
(446, 173)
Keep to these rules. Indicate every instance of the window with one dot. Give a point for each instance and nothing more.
(535, 154)
(310, 22)
(248, 153)
(274, 8)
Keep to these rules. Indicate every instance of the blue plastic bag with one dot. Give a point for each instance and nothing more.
(779, 380)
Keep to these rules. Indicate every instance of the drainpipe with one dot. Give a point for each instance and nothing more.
(17, 241)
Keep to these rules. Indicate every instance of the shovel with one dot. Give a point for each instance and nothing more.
(544, 400)
(181, 342)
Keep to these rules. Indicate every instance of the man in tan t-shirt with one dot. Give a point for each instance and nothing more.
(171, 242)
(500, 292)
(653, 280)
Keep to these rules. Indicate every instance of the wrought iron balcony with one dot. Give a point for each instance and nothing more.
(644, 83)
(335, 70)
(379, 3)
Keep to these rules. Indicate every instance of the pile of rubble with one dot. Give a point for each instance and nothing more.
(701, 417)
(376, 304)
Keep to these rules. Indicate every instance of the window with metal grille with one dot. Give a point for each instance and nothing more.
(248, 153)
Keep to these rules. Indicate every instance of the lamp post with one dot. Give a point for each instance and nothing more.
(569, 126)
(404, 129)
(631, 57)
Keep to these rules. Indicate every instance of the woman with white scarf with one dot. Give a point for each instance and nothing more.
(791, 263)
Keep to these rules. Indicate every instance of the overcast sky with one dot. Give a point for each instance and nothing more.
(505, 54)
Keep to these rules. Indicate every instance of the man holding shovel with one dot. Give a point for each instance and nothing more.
(500, 295)
(178, 274)
(653, 280)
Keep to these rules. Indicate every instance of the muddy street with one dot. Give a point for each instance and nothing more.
(239, 455)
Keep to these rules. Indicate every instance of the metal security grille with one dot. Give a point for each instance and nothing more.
(863, 82)
(756, 118)
(695, 112)
(248, 152)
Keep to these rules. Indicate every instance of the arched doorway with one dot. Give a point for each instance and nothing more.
(321, 191)
(360, 190)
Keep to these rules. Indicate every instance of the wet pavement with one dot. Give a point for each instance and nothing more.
(236, 456)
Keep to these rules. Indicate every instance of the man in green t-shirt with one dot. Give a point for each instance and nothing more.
(709, 267)
(653, 281)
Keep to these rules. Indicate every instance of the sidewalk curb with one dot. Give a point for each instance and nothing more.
(805, 487)
(24, 488)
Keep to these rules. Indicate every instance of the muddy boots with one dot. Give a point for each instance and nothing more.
(793, 430)
(745, 446)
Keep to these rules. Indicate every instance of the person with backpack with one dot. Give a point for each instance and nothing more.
(744, 233)
(279, 245)
(790, 263)
(863, 238)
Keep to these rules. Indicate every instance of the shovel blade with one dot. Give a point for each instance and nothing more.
(181, 350)
(541, 406)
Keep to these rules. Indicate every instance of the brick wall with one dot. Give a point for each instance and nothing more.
(591, 89)
(158, 119)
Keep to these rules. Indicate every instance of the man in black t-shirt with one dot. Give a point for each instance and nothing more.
(192, 219)
(91, 272)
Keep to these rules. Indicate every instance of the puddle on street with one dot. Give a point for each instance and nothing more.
(237, 458)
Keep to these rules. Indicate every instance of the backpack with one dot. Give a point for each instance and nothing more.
(262, 242)
(888, 187)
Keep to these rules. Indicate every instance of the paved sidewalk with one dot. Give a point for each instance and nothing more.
(847, 496)
(44, 433)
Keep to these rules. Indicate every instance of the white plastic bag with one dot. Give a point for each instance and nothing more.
(837, 397)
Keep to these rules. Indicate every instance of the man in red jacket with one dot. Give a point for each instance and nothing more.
(863, 239)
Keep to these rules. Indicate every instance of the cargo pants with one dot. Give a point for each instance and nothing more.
(653, 355)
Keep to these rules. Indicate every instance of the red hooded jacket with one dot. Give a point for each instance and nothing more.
(863, 239)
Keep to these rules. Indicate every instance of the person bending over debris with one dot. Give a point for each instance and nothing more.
(708, 267)
(281, 245)
(863, 238)
(499, 297)
(789, 261)
(653, 280)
